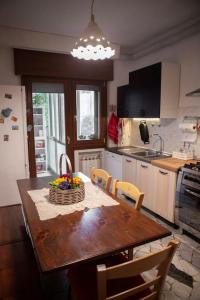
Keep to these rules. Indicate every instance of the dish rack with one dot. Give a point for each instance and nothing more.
(182, 155)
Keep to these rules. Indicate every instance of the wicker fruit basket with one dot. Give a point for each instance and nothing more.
(70, 195)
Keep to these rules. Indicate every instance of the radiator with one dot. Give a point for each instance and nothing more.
(88, 161)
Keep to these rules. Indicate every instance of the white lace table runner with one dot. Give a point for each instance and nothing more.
(94, 197)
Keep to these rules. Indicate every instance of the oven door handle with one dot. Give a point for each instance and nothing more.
(192, 193)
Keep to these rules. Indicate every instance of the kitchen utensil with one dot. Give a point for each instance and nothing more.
(144, 132)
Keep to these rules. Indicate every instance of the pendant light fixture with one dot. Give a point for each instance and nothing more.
(92, 45)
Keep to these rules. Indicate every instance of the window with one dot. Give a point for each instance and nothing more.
(88, 112)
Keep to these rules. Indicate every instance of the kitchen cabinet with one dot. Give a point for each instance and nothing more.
(145, 183)
(153, 92)
(157, 184)
(164, 192)
(113, 164)
(129, 169)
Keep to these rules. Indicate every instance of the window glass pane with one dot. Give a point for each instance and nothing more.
(62, 118)
(56, 117)
(88, 112)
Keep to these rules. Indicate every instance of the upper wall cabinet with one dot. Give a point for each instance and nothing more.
(153, 92)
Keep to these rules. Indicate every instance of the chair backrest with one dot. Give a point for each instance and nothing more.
(96, 174)
(161, 260)
(129, 190)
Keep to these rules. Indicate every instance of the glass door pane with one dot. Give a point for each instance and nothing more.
(49, 126)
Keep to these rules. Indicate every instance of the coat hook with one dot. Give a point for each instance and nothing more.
(112, 108)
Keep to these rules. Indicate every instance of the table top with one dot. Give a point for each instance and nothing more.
(84, 236)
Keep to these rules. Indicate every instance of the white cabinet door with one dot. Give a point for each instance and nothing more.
(129, 169)
(107, 161)
(164, 193)
(113, 165)
(116, 166)
(169, 98)
(144, 183)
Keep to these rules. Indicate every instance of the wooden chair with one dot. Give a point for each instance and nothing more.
(122, 280)
(133, 192)
(129, 190)
(96, 174)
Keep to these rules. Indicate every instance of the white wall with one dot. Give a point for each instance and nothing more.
(16, 38)
(187, 54)
(7, 76)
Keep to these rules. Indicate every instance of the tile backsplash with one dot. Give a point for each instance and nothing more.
(168, 130)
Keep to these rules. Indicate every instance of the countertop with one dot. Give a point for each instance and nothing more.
(171, 163)
(168, 163)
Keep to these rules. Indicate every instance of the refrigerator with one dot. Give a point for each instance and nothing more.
(13, 143)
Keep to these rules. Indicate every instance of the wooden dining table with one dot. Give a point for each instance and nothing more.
(68, 240)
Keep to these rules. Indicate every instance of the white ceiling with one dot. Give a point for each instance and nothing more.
(129, 23)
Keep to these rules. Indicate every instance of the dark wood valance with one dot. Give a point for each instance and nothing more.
(38, 63)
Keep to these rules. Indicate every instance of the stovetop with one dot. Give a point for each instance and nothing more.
(193, 166)
(190, 175)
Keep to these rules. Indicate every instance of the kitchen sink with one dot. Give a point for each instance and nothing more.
(126, 150)
(141, 152)
(147, 153)
(151, 153)
(130, 150)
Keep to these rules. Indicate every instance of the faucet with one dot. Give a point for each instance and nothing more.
(161, 142)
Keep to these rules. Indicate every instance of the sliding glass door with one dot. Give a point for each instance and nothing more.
(49, 126)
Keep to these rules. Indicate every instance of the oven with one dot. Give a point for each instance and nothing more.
(188, 201)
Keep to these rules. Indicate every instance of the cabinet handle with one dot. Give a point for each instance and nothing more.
(128, 160)
(144, 166)
(163, 173)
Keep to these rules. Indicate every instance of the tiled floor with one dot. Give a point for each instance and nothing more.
(186, 259)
